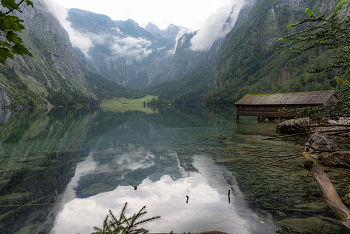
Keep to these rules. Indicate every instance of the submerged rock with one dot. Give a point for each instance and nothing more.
(309, 225)
(294, 126)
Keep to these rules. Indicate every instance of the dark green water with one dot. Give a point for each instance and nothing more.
(62, 170)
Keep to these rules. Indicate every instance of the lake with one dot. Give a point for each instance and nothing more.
(62, 170)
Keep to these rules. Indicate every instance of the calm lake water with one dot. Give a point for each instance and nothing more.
(62, 170)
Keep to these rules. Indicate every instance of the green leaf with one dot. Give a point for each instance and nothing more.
(29, 3)
(4, 54)
(10, 36)
(21, 49)
(9, 4)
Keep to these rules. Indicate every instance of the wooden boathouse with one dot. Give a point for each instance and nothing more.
(267, 105)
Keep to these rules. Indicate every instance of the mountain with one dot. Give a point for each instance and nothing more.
(105, 53)
(132, 56)
(53, 76)
(193, 72)
(247, 60)
(161, 62)
(122, 51)
(171, 32)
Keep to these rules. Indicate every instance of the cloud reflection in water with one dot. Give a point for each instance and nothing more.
(207, 209)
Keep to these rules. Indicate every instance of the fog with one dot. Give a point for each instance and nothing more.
(77, 39)
(217, 25)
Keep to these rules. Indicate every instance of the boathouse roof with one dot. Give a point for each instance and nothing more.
(300, 98)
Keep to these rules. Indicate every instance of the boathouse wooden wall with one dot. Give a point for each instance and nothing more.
(267, 110)
(268, 105)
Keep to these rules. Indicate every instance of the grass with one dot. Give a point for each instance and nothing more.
(121, 105)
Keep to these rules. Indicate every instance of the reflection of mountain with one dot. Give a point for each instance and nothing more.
(145, 147)
(37, 154)
(128, 154)
(5, 115)
(125, 168)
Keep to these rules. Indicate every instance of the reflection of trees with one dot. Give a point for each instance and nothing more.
(38, 152)
(130, 136)
(5, 115)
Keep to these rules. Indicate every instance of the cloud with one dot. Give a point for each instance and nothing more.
(77, 39)
(131, 47)
(217, 26)
(127, 47)
(182, 32)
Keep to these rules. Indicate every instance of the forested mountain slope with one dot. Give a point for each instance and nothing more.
(249, 61)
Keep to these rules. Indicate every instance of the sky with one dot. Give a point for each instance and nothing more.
(191, 14)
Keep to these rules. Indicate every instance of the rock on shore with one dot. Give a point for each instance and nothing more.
(294, 126)
(322, 141)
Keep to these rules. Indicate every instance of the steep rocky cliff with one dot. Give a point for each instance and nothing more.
(53, 67)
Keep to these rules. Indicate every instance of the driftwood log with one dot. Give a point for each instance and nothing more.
(330, 194)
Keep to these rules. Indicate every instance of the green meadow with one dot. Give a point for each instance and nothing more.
(121, 105)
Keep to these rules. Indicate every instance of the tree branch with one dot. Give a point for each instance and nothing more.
(6, 13)
(339, 29)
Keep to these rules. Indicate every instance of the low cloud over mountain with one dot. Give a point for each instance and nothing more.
(119, 44)
(217, 26)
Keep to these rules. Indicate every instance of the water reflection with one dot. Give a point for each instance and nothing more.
(5, 115)
(206, 210)
(62, 170)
